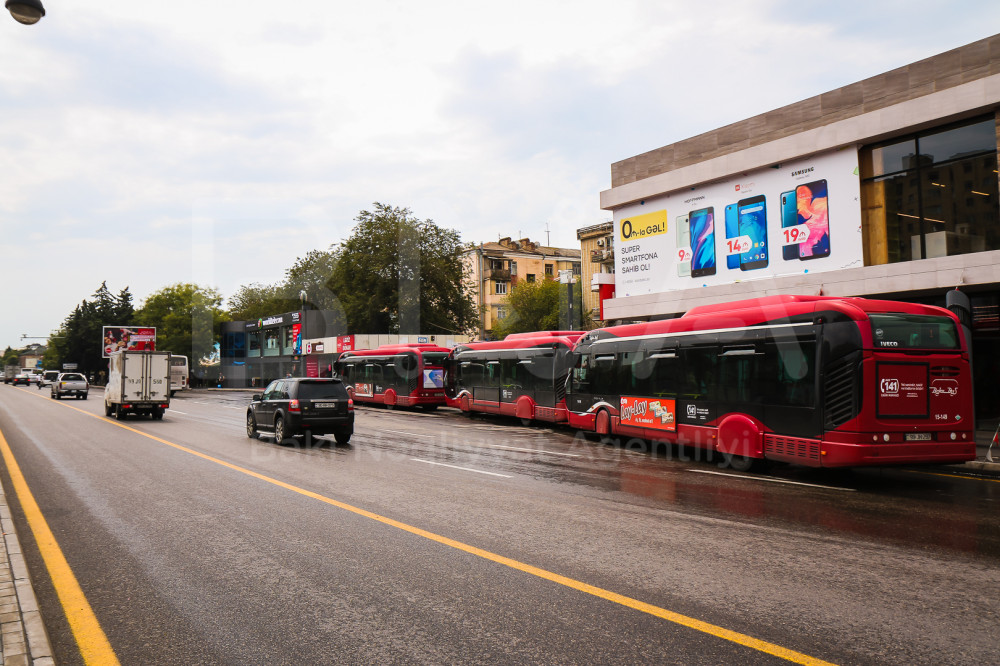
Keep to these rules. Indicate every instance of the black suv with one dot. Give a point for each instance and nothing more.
(302, 406)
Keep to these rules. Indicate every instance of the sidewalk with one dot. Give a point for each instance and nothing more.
(23, 639)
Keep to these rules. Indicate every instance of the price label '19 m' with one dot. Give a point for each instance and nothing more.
(795, 235)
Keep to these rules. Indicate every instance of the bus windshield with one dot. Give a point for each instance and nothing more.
(907, 331)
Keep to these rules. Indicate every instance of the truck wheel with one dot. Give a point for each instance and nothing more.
(119, 413)
(107, 409)
(57, 396)
(84, 396)
(158, 414)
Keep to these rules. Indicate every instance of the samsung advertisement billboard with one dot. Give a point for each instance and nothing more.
(800, 217)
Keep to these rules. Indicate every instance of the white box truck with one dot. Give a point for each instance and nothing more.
(138, 383)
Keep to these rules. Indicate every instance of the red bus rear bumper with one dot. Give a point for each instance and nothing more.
(836, 454)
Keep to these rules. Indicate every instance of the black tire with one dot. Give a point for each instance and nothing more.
(343, 435)
(85, 396)
(119, 413)
(251, 426)
(57, 396)
(744, 463)
(279, 430)
(107, 409)
(158, 414)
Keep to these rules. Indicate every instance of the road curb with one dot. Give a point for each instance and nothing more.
(23, 638)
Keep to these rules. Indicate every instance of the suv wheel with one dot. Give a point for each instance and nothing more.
(251, 426)
(343, 435)
(279, 430)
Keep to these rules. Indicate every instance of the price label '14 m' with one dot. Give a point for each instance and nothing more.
(738, 245)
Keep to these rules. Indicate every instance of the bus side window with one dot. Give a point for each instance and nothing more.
(699, 374)
(580, 382)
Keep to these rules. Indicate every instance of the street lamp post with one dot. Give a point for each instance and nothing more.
(27, 12)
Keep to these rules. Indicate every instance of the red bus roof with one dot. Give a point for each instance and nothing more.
(528, 340)
(756, 311)
(385, 350)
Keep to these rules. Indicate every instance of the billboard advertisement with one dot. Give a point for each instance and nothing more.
(798, 217)
(130, 338)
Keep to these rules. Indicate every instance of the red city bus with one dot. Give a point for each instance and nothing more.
(523, 375)
(811, 380)
(408, 375)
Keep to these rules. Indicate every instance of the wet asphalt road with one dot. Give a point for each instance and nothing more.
(203, 546)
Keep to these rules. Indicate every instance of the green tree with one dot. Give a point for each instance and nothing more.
(398, 274)
(10, 356)
(186, 318)
(79, 339)
(539, 306)
(256, 300)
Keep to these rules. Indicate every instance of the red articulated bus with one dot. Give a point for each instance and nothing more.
(408, 375)
(810, 380)
(523, 375)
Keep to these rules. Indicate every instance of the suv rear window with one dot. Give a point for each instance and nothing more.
(72, 378)
(321, 391)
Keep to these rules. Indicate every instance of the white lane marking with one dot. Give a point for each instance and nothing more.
(772, 480)
(177, 411)
(490, 446)
(465, 469)
(548, 453)
(400, 432)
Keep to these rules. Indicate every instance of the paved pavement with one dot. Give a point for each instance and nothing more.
(23, 639)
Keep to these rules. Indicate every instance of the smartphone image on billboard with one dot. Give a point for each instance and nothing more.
(789, 218)
(732, 231)
(812, 204)
(752, 214)
(702, 223)
(683, 240)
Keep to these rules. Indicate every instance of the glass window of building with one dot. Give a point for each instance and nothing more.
(932, 194)
(501, 288)
(255, 338)
(271, 342)
(287, 339)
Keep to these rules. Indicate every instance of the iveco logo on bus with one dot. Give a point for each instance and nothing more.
(890, 387)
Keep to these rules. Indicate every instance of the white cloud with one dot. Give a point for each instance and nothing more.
(128, 125)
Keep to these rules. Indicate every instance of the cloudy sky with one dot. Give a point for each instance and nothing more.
(150, 143)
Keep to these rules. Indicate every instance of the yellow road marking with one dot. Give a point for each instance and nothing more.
(93, 643)
(670, 616)
(953, 476)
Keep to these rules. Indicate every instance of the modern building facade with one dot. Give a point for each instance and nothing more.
(885, 188)
(494, 268)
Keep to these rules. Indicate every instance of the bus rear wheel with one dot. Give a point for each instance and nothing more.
(745, 464)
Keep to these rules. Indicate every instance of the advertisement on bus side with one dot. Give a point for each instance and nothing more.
(658, 413)
(791, 219)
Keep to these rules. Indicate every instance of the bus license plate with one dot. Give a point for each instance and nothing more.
(918, 437)
(325, 405)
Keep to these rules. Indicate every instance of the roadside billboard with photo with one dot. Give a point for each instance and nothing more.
(131, 338)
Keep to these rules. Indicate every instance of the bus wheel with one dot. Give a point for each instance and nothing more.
(602, 426)
(745, 463)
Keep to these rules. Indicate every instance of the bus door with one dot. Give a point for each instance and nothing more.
(488, 389)
(514, 377)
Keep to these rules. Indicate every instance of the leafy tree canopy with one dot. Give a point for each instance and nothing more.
(186, 318)
(399, 274)
(539, 306)
(79, 339)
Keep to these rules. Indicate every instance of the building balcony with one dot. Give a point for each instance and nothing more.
(501, 274)
(602, 256)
